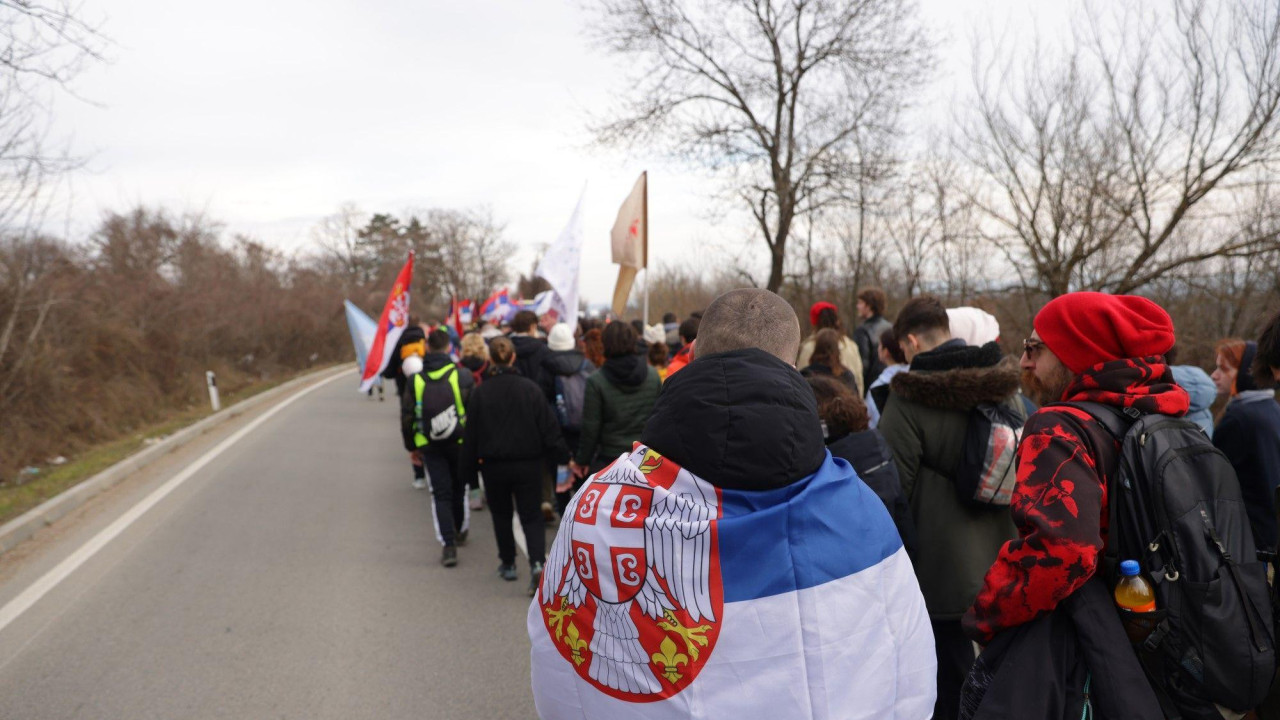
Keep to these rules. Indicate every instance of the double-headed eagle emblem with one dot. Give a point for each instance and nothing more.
(636, 544)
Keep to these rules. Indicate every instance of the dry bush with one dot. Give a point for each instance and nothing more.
(99, 339)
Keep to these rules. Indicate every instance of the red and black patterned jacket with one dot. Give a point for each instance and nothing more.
(1060, 502)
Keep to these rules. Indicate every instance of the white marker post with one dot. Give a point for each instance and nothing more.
(212, 381)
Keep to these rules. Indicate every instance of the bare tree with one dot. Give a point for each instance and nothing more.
(45, 46)
(779, 96)
(1106, 167)
(338, 236)
(474, 255)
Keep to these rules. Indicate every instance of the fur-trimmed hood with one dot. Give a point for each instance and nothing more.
(955, 376)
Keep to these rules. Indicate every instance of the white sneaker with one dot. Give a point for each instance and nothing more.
(419, 483)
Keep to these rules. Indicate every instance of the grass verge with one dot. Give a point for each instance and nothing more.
(17, 499)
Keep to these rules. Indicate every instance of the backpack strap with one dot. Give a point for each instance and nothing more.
(1116, 421)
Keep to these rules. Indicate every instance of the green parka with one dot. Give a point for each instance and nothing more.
(618, 401)
(925, 422)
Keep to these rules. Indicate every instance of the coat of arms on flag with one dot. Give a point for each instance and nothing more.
(632, 594)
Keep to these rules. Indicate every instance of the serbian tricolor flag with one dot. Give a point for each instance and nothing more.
(497, 308)
(666, 597)
(459, 316)
(391, 325)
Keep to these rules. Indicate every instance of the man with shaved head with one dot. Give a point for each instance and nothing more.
(728, 511)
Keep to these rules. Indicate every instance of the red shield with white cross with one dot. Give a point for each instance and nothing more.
(632, 595)
(608, 540)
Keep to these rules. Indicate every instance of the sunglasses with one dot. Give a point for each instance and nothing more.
(1031, 348)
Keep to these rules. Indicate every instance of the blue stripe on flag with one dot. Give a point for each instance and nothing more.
(823, 528)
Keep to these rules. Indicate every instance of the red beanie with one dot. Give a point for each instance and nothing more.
(1087, 328)
(817, 308)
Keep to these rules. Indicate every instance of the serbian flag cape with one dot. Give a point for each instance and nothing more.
(664, 596)
(391, 325)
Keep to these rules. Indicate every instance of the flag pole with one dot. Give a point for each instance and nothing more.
(644, 208)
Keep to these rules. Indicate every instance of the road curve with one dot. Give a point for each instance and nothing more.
(295, 575)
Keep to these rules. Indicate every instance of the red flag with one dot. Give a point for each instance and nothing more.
(391, 325)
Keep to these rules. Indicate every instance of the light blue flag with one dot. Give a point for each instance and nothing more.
(362, 328)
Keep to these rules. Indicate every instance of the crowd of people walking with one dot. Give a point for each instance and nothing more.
(1017, 490)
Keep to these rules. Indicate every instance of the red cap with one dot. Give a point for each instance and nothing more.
(817, 308)
(1088, 328)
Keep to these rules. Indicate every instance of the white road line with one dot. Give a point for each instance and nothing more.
(29, 597)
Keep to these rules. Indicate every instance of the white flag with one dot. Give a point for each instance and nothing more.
(560, 266)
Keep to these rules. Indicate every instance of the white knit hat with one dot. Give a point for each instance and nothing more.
(655, 334)
(411, 365)
(561, 337)
(974, 326)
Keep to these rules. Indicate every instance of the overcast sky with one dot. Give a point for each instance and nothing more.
(268, 116)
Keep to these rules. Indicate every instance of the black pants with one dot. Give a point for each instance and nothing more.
(955, 657)
(448, 495)
(521, 481)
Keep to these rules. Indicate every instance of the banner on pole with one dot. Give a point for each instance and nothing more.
(630, 234)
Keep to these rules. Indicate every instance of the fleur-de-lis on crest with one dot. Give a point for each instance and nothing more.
(693, 636)
(576, 644)
(669, 660)
(556, 618)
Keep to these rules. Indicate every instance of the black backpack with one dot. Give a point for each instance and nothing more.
(571, 393)
(1175, 506)
(439, 416)
(988, 469)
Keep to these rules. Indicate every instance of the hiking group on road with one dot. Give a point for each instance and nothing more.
(911, 524)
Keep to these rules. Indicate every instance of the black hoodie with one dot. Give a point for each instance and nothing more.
(530, 354)
(741, 420)
(626, 370)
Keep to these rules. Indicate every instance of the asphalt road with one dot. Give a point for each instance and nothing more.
(294, 576)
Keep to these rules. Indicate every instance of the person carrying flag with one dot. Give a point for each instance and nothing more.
(432, 417)
(728, 566)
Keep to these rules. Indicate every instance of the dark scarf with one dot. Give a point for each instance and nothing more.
(1145, 384)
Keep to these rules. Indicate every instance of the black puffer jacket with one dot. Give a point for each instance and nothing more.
(741, 420)
(508, 419)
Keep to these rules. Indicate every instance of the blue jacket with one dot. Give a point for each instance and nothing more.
(1203, 392)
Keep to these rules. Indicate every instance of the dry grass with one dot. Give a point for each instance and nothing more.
(54, 479)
